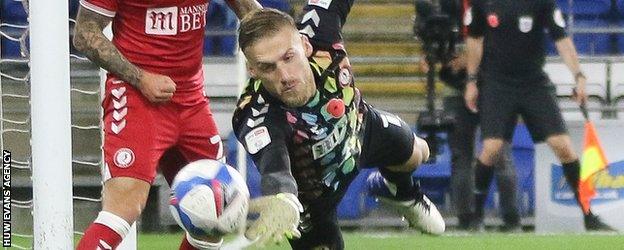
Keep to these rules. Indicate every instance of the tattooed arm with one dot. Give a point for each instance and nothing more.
(242, 7)
(90, 40)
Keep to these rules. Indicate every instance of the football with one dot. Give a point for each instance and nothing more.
(209, 198)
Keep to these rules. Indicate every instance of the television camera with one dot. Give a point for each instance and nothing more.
(437, 26)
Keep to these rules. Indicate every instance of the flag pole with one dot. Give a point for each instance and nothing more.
(583, 106)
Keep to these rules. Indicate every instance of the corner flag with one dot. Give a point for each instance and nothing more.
(592, 162)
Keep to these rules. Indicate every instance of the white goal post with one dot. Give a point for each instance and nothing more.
(51, 125)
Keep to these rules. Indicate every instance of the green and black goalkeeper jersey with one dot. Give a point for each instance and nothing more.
(514, 33)
(308, 150)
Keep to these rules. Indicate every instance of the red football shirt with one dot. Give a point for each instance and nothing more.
(160, 36)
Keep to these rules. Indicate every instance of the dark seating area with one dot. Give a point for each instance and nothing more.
(595, 25)
(220, 38)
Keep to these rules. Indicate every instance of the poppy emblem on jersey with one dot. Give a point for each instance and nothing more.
(525, 24)
(124, 157)
(493, 20)
(344, 77)
(336, 107)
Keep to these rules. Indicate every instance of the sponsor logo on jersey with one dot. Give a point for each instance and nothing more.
(257, 139)
(161, 21)
(325, 146)
(193, 17)
(525, 24)
(123, 158)
(321, 3)
(173, 20)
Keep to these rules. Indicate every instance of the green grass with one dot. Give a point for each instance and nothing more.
(412, 240)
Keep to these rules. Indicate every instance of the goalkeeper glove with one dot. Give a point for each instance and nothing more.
(278, 218)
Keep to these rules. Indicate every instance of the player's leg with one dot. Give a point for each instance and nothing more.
(171, 162)
(461, 143)
(545, 122)
(199, 139)
(390, 145)
(123, 199)
(507, 182)
(130, 157)
(483, 175)
(562, 146)
(497, 114)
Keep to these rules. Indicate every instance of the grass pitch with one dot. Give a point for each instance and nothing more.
(413, 240)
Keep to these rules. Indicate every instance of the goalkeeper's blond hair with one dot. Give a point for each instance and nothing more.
(262, 23)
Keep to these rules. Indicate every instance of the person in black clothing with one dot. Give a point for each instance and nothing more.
(506, 54)
(309, 131)
(462, 136)
(461, 143)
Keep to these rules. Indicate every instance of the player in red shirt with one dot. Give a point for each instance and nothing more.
(155, 110)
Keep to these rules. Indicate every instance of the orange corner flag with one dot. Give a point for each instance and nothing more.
(593, 161)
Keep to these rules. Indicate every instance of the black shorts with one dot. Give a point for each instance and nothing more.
(501, 103)
(386, 139)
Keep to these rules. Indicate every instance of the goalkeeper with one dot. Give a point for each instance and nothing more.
(309, 131)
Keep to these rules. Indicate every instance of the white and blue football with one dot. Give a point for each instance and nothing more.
(209, 198)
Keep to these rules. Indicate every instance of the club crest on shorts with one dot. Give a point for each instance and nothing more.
(525, 24)
(123, 158)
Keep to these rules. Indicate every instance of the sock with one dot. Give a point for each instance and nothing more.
(483, 178)
(507, 182)
(106, 232)
(511, 218)
(185, 245)
(406, 189)
(189, 243)
(464, 220)
(572, 172)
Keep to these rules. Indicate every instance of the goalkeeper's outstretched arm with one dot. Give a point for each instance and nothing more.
(278, 209)
(322, 22)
